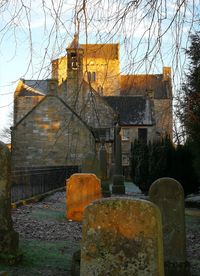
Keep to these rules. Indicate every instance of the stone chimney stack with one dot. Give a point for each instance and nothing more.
(166, 73)
(52, 87)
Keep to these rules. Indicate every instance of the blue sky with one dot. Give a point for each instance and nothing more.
(26, 50)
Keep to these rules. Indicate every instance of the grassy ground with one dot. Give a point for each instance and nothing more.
(43, 256)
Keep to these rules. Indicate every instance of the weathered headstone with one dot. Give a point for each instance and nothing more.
(103, 171)
(168, 195)
(82, 189)
(118, 178)
(122, 236)
(9, 239)
(90, 164)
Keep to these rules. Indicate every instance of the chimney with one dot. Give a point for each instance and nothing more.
(52, 87)
(166, 73)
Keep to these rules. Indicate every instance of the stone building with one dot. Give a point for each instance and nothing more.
(57, 121)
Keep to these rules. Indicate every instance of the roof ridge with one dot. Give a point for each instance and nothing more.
(33, 90)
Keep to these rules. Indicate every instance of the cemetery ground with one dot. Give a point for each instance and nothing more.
(48, 240)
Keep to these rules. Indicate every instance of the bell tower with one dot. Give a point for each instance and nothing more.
(74, 71)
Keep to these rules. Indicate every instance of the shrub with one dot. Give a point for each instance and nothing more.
(162, 159)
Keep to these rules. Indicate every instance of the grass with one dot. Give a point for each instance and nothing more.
(43, 258)
(48, 214)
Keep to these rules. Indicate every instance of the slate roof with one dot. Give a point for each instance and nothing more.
(27, 91)
(132, 110)
(141, 84)
(38, 85)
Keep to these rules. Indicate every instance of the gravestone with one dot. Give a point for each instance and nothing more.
(90, 164)
(75, 266)
(82, 189)
(103, 171)
(168, 195)
(118, 178)
(9, 239)
(122, 236)
(103, 162)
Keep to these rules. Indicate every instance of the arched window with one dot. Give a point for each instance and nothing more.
(74, 61)
(91, 76)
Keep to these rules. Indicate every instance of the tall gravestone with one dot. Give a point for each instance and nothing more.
(168, 195)
(122, 236)
(103, 162)
(82, 189)
(103, 171)
(9, 239)
(118, 178)
(90, 164)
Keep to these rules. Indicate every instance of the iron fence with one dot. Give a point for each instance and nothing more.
(28, 182)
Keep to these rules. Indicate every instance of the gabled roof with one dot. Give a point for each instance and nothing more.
(38, 85)
(94, 94)
(28, 91)
(63, 102)
(132, 110)
(107, 51)
(141, 84)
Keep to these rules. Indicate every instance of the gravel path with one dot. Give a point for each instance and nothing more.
(32, 222)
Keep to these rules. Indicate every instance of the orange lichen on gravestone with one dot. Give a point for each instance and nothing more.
(82, 189)
(122, 236)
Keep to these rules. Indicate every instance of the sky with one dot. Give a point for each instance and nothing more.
(33, 34)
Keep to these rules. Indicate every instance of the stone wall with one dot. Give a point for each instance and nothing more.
(107, 81)
(163, 116)
(59, 69)
(97, 113)
(133, 135)
(22, 105)
(92, 108)
(51, 135)
(107, 73)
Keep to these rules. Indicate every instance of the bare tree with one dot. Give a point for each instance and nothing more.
(5, 133)
(149, 31)
(143, 26)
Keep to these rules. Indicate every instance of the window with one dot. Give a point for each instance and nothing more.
(125, 159)
(91, 76)
(125, 134)
(74, 62)
(142, 135)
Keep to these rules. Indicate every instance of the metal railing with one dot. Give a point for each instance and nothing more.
(29, 182)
